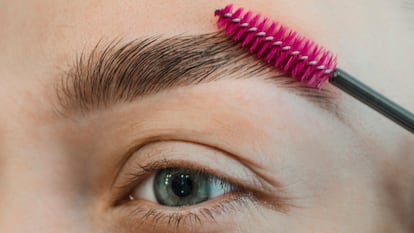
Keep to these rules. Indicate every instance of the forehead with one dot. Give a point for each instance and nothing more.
(39, 37)
(54, 26)
(72, 23)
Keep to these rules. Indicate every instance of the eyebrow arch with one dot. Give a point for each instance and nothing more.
(124, 72)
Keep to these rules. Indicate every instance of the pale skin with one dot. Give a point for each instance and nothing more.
(56, 173)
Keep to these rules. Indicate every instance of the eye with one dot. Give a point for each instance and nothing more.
(177, 187)
(187, 186)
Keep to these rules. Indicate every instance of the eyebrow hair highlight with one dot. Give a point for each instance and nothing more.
(124, 72)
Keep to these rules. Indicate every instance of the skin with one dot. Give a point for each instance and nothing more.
(56, 174)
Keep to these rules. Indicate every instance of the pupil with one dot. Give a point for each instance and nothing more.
(182, 185)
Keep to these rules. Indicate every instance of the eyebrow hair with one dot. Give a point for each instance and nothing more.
(124, 72)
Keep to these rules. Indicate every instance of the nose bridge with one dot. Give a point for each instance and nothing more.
(36, 197)
(43, 181)
(28, 210)
(37, 190)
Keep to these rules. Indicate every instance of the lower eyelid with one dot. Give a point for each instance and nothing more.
(237, 196)
(225, 207)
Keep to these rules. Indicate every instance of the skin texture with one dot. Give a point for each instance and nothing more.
(56, 173)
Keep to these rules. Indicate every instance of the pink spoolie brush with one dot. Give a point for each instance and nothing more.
(302, 59)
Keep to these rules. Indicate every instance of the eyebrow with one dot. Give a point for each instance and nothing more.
(123, 72)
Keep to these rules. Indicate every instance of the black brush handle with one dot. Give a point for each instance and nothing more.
(378, 102)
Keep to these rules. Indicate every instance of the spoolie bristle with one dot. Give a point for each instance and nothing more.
(277, 45)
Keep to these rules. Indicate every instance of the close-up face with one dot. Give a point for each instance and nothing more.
(143, 116)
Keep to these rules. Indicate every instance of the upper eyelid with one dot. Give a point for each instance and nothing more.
(160, 163)
(137, 146)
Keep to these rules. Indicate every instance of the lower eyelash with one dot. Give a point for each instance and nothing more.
(195, 217)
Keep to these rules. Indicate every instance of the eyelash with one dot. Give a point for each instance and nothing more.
(175, 216)
(177, 219)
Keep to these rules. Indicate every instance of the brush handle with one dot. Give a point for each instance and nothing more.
(376, 101)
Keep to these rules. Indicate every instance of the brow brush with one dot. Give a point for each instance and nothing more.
(302, 59)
